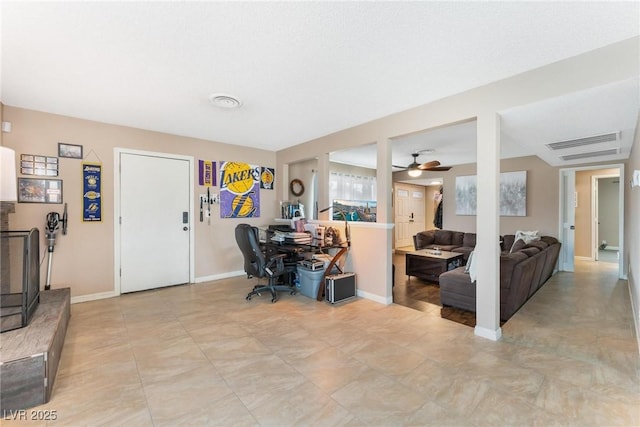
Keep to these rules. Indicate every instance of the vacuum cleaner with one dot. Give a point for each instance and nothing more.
(51, 230)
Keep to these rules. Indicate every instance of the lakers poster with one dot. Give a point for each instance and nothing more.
(239, 190)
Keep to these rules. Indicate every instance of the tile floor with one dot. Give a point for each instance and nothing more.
(202, 355)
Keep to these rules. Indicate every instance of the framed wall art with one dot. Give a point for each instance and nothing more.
(513, 194)
(31, 164)
(37, 190)
(71, 151)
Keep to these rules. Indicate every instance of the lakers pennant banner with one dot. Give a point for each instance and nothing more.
(91, 192)
(239, 190)
(207, 173)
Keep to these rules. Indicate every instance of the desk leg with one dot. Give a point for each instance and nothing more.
(333, 262)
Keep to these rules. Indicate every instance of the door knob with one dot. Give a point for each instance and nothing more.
(185, 228)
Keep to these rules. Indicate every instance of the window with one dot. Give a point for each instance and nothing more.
(351, 187)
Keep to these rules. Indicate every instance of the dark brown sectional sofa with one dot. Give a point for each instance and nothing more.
(522, 272)
(447, 240)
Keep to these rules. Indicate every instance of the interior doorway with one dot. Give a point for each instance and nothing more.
(580, 214)
(605, 205)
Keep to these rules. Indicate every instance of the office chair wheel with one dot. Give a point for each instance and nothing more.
(248, 298)
(274, 299)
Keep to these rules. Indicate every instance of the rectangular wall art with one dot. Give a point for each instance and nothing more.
(239, 190)
(513, 194)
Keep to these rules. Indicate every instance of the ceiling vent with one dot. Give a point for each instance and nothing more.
(224, 100)
(581, 142)
(591, 154)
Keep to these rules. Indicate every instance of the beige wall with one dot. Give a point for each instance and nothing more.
(583, 212)
(542, 197)
(632, 229)
(83, 259)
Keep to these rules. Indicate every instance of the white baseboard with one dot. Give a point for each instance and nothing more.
(219, 276)
(92, 297)
(611, 248)
(375, 298)
(635, 310)
(488, 333)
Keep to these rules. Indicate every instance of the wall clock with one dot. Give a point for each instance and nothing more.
(296, 187)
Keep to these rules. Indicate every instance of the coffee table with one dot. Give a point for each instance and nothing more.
(428, 265)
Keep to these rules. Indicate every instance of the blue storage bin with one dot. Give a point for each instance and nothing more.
(309, 281)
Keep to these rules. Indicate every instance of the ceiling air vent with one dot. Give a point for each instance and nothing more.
(581, 142)
(588, 155)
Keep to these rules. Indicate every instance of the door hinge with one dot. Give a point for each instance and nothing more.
(120, 220)
(120, 272)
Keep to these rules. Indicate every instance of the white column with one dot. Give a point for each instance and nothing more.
(383, 181)
(488, 227)
(384, 210)
(324, 166)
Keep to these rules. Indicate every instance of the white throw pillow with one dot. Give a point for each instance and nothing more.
(468, 265)
(471, 267)
(527, 236)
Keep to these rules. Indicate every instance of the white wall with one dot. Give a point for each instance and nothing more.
(632, 230)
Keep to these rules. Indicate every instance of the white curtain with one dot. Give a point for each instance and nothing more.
(344, 186)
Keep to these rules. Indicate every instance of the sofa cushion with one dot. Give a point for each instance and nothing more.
(517, 246)
(540, 244)
(423, 239)
(469, 240)
(507, 242)
(457, 238)
(530, 251)
(464, 250)
(442, 237)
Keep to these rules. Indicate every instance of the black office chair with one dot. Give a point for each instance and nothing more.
(258, 264)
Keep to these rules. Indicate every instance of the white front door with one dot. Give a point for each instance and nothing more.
(154, 220)
(409, 213)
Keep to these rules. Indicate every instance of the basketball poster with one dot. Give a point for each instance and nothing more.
(239, 190)
(267, 178)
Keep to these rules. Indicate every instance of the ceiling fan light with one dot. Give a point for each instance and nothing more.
(414, 173)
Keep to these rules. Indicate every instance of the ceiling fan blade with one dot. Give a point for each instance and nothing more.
(427, 165)
(437, 168)
(399, 167)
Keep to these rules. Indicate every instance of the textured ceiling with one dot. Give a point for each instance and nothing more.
(302, 69)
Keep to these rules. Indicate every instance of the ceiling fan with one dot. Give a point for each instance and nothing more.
(415, 169)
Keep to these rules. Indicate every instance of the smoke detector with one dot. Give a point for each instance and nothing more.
(223, 100)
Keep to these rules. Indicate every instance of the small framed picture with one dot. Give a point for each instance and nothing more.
(35, 190)
(71, 151)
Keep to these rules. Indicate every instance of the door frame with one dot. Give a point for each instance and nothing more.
(595, 214)
(117, 210)
(562, 207)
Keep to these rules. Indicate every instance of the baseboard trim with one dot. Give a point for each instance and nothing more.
(219, 276)
(488, 333)
(375, 298)
(93, 297)
(635, 310)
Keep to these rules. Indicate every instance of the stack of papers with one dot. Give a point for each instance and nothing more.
(292, 237)
(298, 237)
